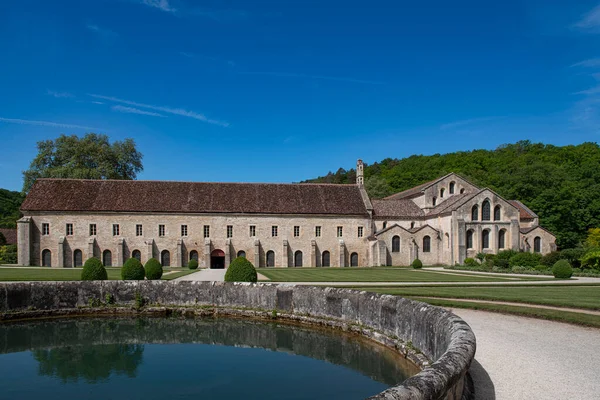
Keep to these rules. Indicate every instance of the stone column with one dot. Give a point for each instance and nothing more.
(313, 253)
(120, 252)
(342, 254)
(61, 253)
(24, 241)
(90, 249)
(150, 249)
(227, 253)
(179, 256)
(515, 235)
(257, 253)
(284, 255)
(462, 246)
(381, 253)
(207, 253)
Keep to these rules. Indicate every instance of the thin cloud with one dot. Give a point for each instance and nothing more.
(321, 77)
(162, 5)
(591, 91)
(168, 110)
(592, 62)
(47, 123)
(466, 122)
(131, 110)
(106, 33)
(59, 95)
(590, 21)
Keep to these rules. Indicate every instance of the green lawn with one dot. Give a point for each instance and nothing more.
(65, 274)
(587, 297)
(373, 275)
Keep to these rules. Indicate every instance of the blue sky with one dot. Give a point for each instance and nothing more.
(281, 91)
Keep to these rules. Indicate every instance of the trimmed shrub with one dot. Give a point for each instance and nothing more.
(562, 270)
(551, 258)
(93, 270)
(591, 260)
(154, 270)
(241, 270)
(417, 264)
(193, 264)
(527, 260)
(573, 256)
(133, 270)
(470, 262)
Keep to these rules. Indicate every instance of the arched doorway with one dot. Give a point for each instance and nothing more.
(107, 258)
(137, 254)
(46, 258)
(354, 260)
(165, 258)
(325, 262)
(77, 258)
(217, 259)
(193, 255)
(270, 258)
(241, 253)
(298, 259)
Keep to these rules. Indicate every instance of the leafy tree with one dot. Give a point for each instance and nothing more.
(593, 238)
(377, 187)
(89, 157)
(2, 239)
(9, 208)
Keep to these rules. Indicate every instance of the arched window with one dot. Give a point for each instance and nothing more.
(241, 253)
(485, 211)
(501, 238)
(270, 258)
(193, 255)
(451, 189)
(77, 258)
(426, 244)
(485, 239)
(137, 254)
(396, 244)
(412, 225)
(354, 260)
(447, 240)
(107, 258)
(462, 190)
(46, 258)
(442, 190)
(325, 262)
(537, 244)
(469, 239)
(384, 224)
(434, 200)
(475, 213)
(298, 258)
(165, 258)
(497, 213)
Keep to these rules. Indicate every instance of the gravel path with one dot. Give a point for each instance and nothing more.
(524, 358)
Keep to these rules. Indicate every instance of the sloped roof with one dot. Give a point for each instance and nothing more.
(193, 197)
(524, 211)
(10, 235)
(451, 203)
(412, 191)
(403, 208)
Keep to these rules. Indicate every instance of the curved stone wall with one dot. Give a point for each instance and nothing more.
(409, 326)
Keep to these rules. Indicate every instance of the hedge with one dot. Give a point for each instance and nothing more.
(93, 270)
(241, 270)
(133, 270)
(154, 270)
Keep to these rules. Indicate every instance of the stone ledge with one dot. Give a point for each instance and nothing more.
(408, 326)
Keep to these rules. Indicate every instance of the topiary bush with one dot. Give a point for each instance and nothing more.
(528, 260)
(241, 270)
(93, 270)
(133, 270)
(562, 270)
(193, 264)
(470, 262)
(417, 264)
(551, 258)
(154, 270)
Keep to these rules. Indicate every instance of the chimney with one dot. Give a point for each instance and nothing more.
(360, 178)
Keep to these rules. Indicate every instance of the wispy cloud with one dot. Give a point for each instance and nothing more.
(96, 102)
(169, 110)
(467, 122)
(162, 5)
(321, 77)
(590, 21)
(591, 91)
(590, 63)
(47, 123)
(131, 110)
(59, 95)
(106, 33)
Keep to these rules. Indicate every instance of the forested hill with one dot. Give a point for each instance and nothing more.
(9, 208)
(561, 184)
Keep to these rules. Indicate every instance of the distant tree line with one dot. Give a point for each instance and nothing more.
(560, 183)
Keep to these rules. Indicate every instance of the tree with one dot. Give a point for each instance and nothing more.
(593, 238)
(89, 157)
(377, 187)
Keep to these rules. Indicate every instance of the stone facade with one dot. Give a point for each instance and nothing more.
(439, 222)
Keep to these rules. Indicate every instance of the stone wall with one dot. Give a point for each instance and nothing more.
(441, 336)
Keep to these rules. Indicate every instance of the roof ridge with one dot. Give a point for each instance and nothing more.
(203, 182)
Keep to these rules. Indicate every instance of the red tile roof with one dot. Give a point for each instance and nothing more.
(524, 212)
(193, 197)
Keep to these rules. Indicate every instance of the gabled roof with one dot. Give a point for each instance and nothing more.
(415, 190)
(193, 197)
(10, 235)
(452, 203)
(525, 231)
(413, 230)
(403, 208)
(524, 212)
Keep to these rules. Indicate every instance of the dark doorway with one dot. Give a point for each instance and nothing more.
(354, 260)
(298, 259)
(137, 254)
(217, 259)
(46, 258)
(107, 258)
(325, 259)
(270, 258)
(77, 258)
(193, 255)
(165, 258)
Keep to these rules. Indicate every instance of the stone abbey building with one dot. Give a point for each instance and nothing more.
(67, 221)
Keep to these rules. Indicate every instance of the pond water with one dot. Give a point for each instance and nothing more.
(171, 358)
